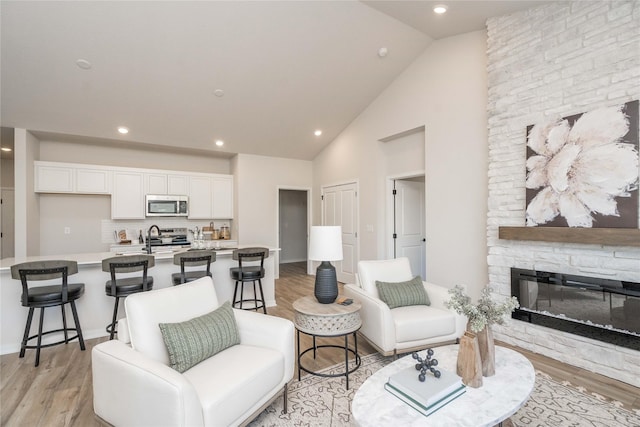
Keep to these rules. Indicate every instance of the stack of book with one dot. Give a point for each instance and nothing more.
(428, 396)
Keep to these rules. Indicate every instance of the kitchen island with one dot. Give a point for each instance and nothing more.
(95, 308)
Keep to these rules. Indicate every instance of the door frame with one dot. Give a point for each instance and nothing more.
(390, 206)
(309, 219)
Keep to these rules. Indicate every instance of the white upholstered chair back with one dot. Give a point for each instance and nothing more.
(388, 270)
(146, 310)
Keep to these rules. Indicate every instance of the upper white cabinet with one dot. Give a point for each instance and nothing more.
(177, 184)
(162, 183)
(69, 178)
(210, 195)
(127, 199)
(222, 197)
(53, 179)
(155, 183)
(94, 181)
(200, 197)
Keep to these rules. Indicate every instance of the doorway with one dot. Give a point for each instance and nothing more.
(293, 225)
(7, 223)
(408, 223)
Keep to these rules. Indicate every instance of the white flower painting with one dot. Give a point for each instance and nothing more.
(582, 171)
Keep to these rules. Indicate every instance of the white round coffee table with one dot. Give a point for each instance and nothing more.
(499, 397)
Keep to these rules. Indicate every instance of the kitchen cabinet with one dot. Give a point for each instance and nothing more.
(53, 179)
(70, 178)
(222, 187)
(200, 197)
(177, 184)
(155, 183)
(211, 197)
(162, 183)
(93, 181)
(127, 198)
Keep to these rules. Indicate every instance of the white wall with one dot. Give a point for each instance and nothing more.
(404, 153)
(83, 214)
(444, 90)
(91, 152)
(27, 209)
(258, 179)
(561, 59)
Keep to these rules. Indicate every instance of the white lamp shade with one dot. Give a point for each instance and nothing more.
(325, 243)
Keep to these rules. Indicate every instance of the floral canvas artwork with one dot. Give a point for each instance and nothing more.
(583, 170)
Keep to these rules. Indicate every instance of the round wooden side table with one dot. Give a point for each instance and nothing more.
(327, 320)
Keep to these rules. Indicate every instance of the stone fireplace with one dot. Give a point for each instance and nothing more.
(560, 59)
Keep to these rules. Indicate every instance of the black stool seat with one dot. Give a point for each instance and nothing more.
(127, 286)
(52, 295)
(190, 259)
(124, 286)
(48, 296)
(245, 273)
(189, 276)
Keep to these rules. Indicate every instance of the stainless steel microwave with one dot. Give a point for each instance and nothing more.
(166, 205)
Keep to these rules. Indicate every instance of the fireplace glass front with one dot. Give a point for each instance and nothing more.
(602, 309)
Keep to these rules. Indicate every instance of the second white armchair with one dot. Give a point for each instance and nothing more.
(406, 328)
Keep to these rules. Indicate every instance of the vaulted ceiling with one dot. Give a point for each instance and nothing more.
(262, 76)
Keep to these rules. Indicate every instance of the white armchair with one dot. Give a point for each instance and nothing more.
(402, 329)
(133, 384)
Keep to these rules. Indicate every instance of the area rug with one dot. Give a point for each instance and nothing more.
(324, 402)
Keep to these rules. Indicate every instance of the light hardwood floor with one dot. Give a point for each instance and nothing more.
(59, 391)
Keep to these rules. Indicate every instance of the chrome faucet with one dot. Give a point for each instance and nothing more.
(149, 237)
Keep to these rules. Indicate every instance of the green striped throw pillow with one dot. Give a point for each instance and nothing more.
(195, 340)
(401, 294)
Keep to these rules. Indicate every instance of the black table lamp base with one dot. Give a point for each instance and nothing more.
(326, 288)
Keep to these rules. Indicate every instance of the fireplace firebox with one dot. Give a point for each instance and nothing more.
(602, 309)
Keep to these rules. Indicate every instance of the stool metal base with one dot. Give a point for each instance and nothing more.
(38, 346)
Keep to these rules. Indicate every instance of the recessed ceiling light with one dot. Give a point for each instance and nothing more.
(219, 143)
(382, 52)
(440, 9)
(318, 132)
(219, 93)
(84, 64)
(123, 130)
(6, 149)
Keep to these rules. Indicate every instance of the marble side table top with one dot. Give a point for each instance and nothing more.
(499, 397)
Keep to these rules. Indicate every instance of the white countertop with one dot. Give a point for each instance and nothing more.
(93, 258)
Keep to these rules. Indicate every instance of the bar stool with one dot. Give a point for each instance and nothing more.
(120, 288)
(192, 259)
(48, 296)
(249, 273)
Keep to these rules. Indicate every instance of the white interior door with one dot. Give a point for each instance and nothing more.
(340, 207)
(410, 223)
(7, 223)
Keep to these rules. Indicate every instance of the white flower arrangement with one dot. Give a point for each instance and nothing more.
(485, 312)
